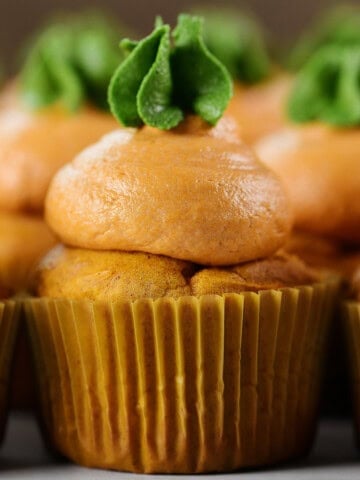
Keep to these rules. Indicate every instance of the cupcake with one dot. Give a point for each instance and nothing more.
(53, 109)
(171, 333)
(316, 157)
(260, 86)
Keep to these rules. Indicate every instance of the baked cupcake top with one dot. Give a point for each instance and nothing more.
(107, 275)
(324, 253)
(56, 107)
(194, 192)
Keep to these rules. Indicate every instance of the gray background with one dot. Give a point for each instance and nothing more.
(284, 18)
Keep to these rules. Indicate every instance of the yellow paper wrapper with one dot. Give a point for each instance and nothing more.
(9, 323)
(214, 383)
(352, 327)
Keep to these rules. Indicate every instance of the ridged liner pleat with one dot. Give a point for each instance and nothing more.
(9, 323)
(214, 383)
(351, 312)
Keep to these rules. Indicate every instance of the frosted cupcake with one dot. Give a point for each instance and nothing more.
(170, 329)
(317, 156)
(50, 112)
(54, 109)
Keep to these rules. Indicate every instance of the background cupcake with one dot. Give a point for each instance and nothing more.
(169, 347)
(54, 108)
(318, 153)
(317, 159)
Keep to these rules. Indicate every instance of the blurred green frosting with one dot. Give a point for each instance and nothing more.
(71, 62)
(328, 87)
(340, 25)
(236, 39)
(167, 75)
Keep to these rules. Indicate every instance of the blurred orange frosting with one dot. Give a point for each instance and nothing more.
(320, 168)
(260, 109)
(194, 193)
(34, 145)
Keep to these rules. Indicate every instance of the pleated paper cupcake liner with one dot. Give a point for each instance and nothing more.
(352, 328)
(9, 323)
(187, 385)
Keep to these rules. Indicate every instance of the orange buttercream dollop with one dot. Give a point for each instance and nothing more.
(320, 168)
(194, 193)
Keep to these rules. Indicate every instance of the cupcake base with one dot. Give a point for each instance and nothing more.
(182, 386)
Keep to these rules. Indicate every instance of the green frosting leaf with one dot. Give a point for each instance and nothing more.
(159, 82)
(340, 25)
(155, 96)
(141, 88)
(71, 62)
(328, 87)
(202, 83)
(237, 41)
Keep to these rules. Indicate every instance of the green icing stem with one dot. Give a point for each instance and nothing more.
(328, 87)
(339, 25)
(160, 80)
(71, 62)
(202, 83)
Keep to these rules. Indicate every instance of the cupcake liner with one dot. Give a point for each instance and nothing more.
(9, 323)
(351, 312)
(187, 385)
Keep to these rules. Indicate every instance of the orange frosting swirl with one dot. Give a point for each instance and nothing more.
(194, 193)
